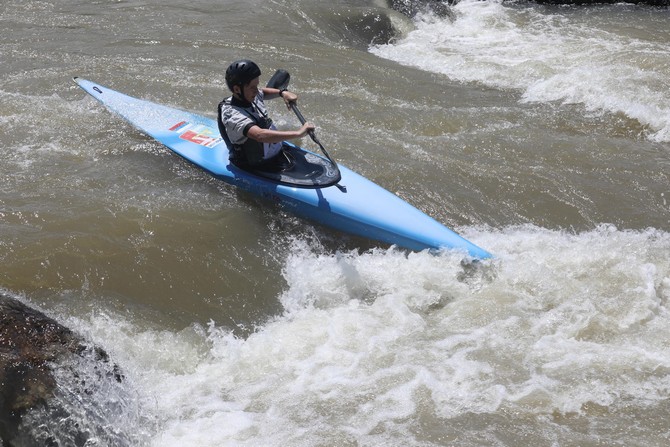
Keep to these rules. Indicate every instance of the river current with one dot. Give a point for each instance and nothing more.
(540, 133)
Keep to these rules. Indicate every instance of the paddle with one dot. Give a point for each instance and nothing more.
(280, 81)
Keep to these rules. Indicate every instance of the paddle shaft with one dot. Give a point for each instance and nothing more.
(311, 133)
(280, 81)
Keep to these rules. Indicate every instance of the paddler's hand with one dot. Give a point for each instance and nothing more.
(289, 98)
(306, 128)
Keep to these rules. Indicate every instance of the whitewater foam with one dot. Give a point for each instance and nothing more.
(603, 62)
(373, 345)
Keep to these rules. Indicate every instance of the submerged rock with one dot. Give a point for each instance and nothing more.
(601, 2)
(441, 7)
(51, 382)
(410, 8)
(367, 26)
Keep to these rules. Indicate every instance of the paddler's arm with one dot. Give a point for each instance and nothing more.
(288, 97)
(276, 136)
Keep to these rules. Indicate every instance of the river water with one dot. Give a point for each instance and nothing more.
(540, 133)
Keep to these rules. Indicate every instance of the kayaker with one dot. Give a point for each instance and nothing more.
(252, 138)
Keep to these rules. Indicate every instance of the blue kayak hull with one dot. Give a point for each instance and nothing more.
(356, 205)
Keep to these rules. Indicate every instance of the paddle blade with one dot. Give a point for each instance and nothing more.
(279, 80)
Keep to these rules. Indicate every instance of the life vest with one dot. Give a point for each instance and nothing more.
(250, 153)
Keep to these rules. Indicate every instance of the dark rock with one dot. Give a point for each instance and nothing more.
(369, 27)
(601, 2)
(441, 8)
(410, 8)
(36, 353)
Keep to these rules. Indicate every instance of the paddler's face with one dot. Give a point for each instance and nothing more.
(250, 90)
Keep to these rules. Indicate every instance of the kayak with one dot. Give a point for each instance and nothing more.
(307, 185)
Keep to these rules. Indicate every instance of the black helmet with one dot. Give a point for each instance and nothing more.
(241, 72)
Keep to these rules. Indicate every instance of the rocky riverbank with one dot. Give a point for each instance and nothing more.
(46, 370)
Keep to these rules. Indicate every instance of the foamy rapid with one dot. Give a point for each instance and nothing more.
(549, 54)
(373, 345)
